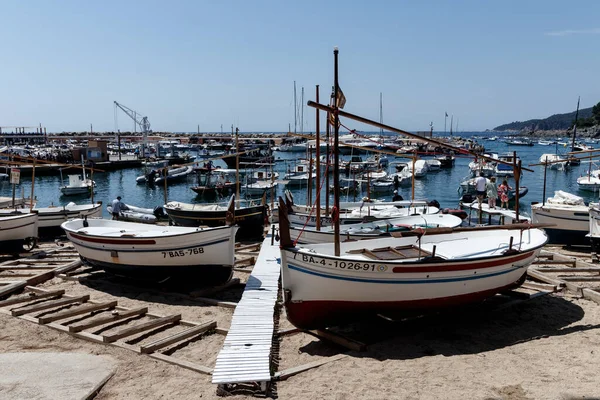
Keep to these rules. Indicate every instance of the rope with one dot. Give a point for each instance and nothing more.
(318, 205)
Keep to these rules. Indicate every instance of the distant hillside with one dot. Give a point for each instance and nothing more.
(554, 122)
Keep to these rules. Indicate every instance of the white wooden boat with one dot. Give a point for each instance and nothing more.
(589, 182)
(205, 255)
(375, 229)
(17, 229)
(50, 218)
(156, 176)
(261, 182)
(300, 176)
(554, 161)
(594, 228)
(568, 213)
(399, 274)
(78, 186)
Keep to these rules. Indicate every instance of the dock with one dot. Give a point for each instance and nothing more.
(246, 353)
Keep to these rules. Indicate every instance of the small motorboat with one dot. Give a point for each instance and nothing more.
(201, 255)
(157, 176)
(18, 229)
(50, 218)
(77, 186)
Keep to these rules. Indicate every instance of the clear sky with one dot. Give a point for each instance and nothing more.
(213, 63)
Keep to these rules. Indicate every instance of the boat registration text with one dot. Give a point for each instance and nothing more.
(182, 253)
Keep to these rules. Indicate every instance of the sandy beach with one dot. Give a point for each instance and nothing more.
(545, 348)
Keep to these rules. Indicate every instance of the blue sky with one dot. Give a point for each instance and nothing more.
(184, 63)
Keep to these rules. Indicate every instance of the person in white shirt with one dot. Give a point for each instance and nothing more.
(480, 184)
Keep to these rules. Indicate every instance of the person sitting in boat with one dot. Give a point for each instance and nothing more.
(117, 207)
(397, 197)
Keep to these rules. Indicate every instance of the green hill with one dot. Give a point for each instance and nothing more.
(553, 122)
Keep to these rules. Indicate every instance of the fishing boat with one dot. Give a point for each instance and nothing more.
(589, 182)
(173, 175)
(261, 182)
(554, 161)
(204, 256)
(77, 186)
(17, 229)
(594, 228)
(505, 169)
(386, 275)
(217, 181)
(300, 175)
(375, 229)
(568, 213)
(50, 218)
(249, 216)
(468, 187)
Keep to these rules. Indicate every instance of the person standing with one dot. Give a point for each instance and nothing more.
(503, 192)
(480, 184)
(117, 206)
(492, 192)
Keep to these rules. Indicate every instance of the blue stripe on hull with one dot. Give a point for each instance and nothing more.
(403, 281)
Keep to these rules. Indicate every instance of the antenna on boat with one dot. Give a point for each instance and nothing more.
(284, 226)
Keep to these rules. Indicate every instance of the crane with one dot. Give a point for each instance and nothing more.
(138, 120)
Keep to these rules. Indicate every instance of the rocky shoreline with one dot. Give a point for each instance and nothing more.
(591, 132)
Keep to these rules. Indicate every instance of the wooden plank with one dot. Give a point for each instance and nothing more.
(43, 277)
(182, 363)
(288, 331)
(140, 328)
(245, 261)
(31, 297)
(250, 247)
(227, 304)
(539, 286)
(115, 316)
(242, 269)
(12, 287)
(555, 262)
(550, 269)
(339, 339)
(68, 267)
(286, 373)
(77, 311)
(27, 268)
(214, 289)
(159, 344)
(46, 261)
(49, 304)
(591, 295)
(532, 272)
(580, 278)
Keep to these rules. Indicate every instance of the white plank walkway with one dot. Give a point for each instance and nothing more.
(246, 353)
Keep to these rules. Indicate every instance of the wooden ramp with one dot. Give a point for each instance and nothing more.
(246, 353)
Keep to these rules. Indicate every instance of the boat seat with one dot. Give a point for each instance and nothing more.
(392, 253)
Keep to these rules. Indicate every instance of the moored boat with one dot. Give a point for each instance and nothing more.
(399, 274)
(569, 215)
(17, 229)
(158, 253)
(50, 218)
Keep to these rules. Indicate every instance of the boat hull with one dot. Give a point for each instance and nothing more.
(571, 224)
(319, 292)
(204, 255)
(250, 220)
(50, 218)
(16, 230)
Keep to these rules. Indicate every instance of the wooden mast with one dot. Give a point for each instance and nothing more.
(318, 192)
(336, 166)
(237, 163)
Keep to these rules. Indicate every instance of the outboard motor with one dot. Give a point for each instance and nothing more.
(159, 212)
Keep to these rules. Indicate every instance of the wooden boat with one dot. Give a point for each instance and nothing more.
(375, 229)
(569, 215)
(17, 229)
(249, 216)
(213, 182)
(594, 228)
(158, 253)
(50, 218)
(157, 176)
(589, 182)
(554, 161)
(300, 175)
(77, 186)
(399, 274)
(261, 182)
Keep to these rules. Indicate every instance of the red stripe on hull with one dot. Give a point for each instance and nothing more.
(324, 313)
(462, 266)
(113, 241)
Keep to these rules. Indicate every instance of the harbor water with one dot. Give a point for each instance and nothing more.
(442, 185)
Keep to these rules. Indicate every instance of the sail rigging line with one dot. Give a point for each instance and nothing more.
(313, 207)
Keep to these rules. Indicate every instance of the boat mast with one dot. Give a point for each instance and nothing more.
(295, 110)
(381, 112)
(302, 111)
(318, 191)
(575, 127)
(451, 123)
(237, 162)
(336, 166)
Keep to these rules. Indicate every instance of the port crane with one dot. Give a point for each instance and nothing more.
(138, 120)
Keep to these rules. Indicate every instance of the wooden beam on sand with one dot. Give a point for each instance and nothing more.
(338, 339)
(283, 375)
(182, 363)
(78, 311)
(115, 316)
(140, 328)
(178, 337)
(31, 297)
(50, 304)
